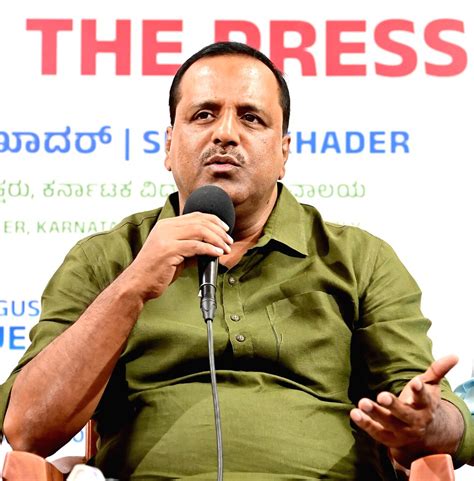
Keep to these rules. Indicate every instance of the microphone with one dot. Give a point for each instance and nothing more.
(210, 199)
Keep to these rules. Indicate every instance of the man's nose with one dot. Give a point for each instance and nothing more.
(226, 131)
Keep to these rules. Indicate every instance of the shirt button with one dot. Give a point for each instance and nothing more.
(240, 337)
(232, 280)
(235, 317)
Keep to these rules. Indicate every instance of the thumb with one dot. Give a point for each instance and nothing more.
(439, 369)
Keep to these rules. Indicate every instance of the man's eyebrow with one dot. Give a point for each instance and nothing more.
(206, 105)
(213, 106)
(250, 107)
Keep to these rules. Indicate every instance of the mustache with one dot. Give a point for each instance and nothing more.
(211, 151)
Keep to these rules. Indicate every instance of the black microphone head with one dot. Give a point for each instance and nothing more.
(210, 199)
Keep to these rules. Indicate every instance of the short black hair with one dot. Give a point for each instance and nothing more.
(231, 48)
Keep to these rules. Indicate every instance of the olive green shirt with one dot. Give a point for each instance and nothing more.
(313, 317)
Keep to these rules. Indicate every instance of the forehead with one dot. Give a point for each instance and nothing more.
(230, 77)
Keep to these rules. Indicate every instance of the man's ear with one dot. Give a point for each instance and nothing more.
(285, 150)
(169, 135)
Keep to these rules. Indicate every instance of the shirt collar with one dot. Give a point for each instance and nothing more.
(171, 207)
(285, 226)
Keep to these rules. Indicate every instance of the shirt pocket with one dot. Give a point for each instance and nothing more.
(312, 342)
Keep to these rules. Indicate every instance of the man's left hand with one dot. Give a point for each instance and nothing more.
(411, 425)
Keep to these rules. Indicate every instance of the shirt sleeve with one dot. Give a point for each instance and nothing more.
(71, 289)
(393, 334)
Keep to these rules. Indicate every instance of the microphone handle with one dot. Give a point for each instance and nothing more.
(207, 289)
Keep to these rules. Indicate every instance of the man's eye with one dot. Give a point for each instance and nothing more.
(204, 115)
(251, 118)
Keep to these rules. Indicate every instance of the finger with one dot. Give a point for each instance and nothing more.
(196, 218)
(209, 221)
(196, 226)
(209, 217)
(384, 416)
(373, 428)
(191, 248)
(406, 412)
(423, 395)
(439, 369)
(210, 234)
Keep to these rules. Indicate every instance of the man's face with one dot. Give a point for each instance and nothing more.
(228, 130)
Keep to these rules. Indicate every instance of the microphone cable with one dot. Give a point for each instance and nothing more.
(211, 199)
(215, 400)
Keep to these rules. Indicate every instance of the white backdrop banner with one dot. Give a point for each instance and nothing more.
(381, 137)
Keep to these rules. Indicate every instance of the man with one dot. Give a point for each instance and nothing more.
(311, 318)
